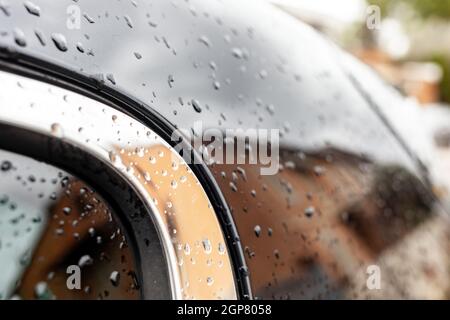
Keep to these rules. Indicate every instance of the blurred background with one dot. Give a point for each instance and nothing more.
(406, 41)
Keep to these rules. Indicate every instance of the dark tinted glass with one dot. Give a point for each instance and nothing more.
(58, 238)
(332, 225)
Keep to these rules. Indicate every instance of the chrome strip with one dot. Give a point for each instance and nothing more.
(198, 260)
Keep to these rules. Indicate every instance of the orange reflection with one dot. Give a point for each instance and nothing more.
(81, 225)
(311, 230)
(203, 264)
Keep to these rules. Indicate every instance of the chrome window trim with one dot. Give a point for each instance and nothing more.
(25, 109)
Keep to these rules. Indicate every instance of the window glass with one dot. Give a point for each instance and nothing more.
(58, 238)
(332, 225)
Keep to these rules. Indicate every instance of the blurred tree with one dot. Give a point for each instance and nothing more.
(440, 8)
(425, 8)
(444, 63)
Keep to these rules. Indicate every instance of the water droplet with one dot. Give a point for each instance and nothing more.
(221, 248)
(85, 260)
(4, 7)
(318, 170)
(276, 253)
(6, 166)
(57, 130)
(244, 271)
(170, 81)
(270, 109)
(289, 165)
(40, 36)
(140, 151)
(128, 21)
(263, 74)
(187, 249)
(80, 47)
(196, 105)
(242, 172)
(237, 53)
(257, 230)
(110, 78)
(42, 291)
(60, 41)
(204, 40)
(309, 212)
(115, 278)
(114, 158)
(65, 182)
(19, 37)
(88, 18)
(138, 55)
(147, 176)
(207, 246)
(4, 199)
(32, 8)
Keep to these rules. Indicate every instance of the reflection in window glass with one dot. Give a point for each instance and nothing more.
(53, 227)
(332, 225)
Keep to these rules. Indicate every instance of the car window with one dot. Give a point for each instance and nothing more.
(331, 225)
(58, 238)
